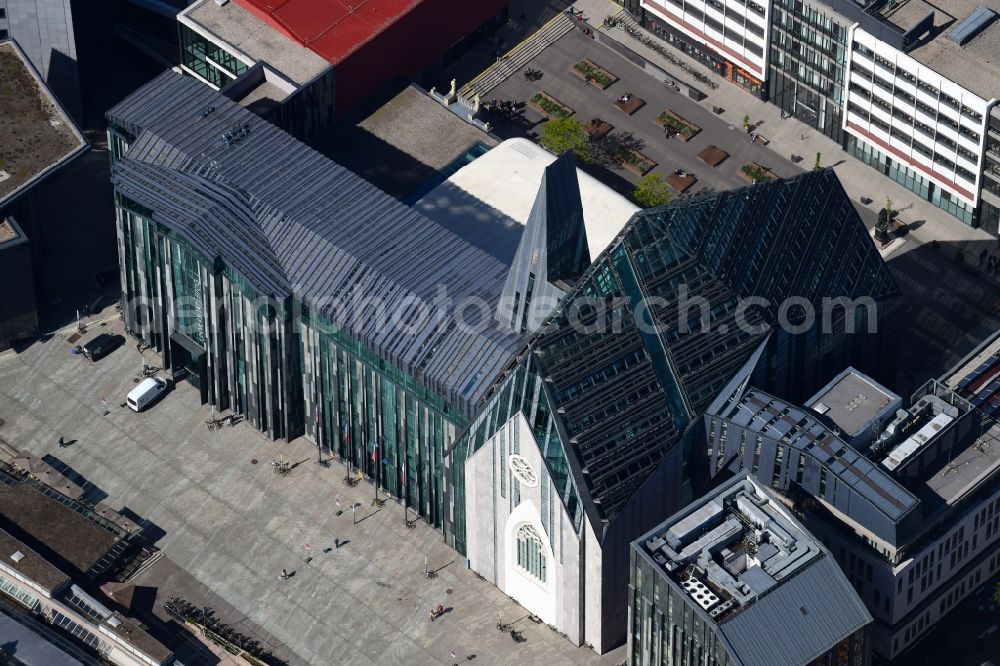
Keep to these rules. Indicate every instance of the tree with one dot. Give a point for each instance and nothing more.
(562, 134)
(817, 167)
(746, 123)
(888, 208)
(651, 190)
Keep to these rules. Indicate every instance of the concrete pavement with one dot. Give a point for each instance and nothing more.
(230, 525)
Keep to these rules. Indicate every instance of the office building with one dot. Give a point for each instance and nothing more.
(807, 64)
(855, 407)
(911, 515)
(298, 66)
(733, 579)
(917, 106)
(730, 37)
(596, 434)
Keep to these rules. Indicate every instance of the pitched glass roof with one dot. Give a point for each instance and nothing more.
(625, 395)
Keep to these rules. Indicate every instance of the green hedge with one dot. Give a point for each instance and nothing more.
(758, 174)
(598, 75)
(679, 125)
(550, 107)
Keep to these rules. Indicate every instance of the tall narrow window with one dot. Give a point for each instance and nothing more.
(530, 555)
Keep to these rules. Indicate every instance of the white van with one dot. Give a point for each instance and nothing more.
(146, 392)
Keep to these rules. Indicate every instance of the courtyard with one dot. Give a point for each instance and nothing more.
(228, 525)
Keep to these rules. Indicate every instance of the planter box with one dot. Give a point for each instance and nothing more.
(685, 130)
(598, 130)
(599, 77)
(549, 106)
(635, 161)
(755, 173)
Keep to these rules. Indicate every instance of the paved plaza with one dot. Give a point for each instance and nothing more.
(230, 525)
(637, 130)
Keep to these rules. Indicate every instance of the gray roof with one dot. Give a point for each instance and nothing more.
(798, 620)
(800, 430)
(292, 222)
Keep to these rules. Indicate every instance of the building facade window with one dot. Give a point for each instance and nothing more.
(531, 552)
(208, 60)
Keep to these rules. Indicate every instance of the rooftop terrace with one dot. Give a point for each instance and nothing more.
(36, 135)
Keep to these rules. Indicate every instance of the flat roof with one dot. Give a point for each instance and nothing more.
(36, 134)
(987, 349)
(132, 633)
(488, 201)
(417, 124)
(257, 40)
(852, 401)
(974, 65)
(967, 471)
(32, 565)
(334, 28)
(44, 523)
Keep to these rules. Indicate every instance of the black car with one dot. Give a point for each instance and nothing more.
(102, 345)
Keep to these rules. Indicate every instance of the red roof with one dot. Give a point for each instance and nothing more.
(333, 29)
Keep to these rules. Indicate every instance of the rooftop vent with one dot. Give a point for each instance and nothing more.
(821, 408)
(113, 621)
(698, 591)
(222, 3)
(972, 25)
(17, 556)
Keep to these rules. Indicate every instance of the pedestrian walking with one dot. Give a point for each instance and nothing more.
(284, 574)
(61, 442)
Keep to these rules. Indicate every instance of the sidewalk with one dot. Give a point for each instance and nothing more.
(786, 138)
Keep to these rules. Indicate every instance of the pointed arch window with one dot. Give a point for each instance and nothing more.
(531, 552)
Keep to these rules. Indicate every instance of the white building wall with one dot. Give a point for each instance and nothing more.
(743, 37)
(498, 504)
(925, 579)
(910, 121)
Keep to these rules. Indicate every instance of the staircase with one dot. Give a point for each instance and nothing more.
(515, 59)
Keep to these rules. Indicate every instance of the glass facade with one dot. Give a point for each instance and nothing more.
(209, 60)
(807, 65)
(289, 371)
(909, 179)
